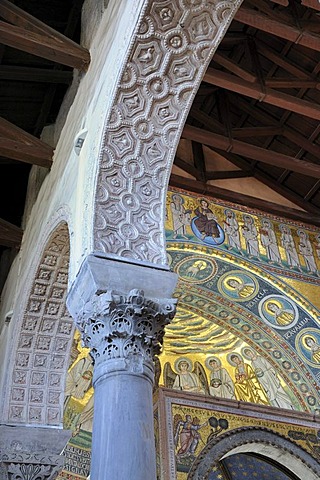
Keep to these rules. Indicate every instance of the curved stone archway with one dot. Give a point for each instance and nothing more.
(259, 441)
(43, 337)
(173, 46)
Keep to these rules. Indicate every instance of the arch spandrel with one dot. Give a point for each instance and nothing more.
(43, 337)
(173, 46)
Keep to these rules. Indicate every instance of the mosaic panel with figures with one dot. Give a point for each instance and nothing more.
(189, 426)
(247, 323)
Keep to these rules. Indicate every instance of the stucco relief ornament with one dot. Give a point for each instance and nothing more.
(26, 466)
(125, 326)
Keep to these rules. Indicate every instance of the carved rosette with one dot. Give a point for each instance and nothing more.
(28, 466)
(124, 330)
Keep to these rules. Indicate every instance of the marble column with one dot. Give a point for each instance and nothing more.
(121, 309)
(31, 452)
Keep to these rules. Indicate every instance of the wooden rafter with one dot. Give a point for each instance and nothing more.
(271, 183)
(258, 20)
(251, 151)
(229, 174)
(267, 95)
(187, 167)
(38, 75)
(291, 134)
(19, 145)
(10, 235)
(199, 161)
(26, 33)
(253, 202)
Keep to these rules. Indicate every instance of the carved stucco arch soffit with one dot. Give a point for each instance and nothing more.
(255, 440)
(173, 45)
(42, 340)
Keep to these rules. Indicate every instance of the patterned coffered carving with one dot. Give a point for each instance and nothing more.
(40, 362)
(170, 53)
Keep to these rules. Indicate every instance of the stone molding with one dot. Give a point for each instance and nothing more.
(174, 43)
(28, 453)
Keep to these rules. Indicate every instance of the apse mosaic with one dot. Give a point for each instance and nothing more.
(190, 426)
(247, 323)
(283, 246)
(242, 331)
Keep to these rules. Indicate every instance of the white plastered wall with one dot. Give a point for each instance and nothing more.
(68, 190)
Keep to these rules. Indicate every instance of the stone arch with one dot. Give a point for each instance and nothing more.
(260, 441)
(42, 339)
(173, 45)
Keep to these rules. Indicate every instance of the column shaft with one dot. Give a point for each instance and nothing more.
(123, 444)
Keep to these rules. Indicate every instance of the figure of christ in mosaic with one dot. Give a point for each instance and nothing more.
(247, 385)
(186, 434)
(269, 380)
(305, 249)
(231, 229)
(221, 384)
(206, 221)
(180, 216)
(188, 380)
(288, 244)
(269, 241)
(250, 234)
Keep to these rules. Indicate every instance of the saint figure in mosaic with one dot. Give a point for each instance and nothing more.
(269, 241)
(268, 378)
(250, 234)
(247, 385)
(221, 384)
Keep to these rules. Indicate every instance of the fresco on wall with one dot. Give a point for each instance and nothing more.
(189, 426)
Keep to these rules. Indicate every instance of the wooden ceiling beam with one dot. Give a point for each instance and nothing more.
(229, 174)
(19, 145)
(312, 4)
(281, 61)
(269, 157)
(271, 183)
(186, 167)
(10, 235)
(29, 34)
(199, 161)
(256, 132)
(45, 47)
(233, 67)
(292, 135)
(267, 95)
(246, 200)
(291, 83)
(39, 75)
(258, 20)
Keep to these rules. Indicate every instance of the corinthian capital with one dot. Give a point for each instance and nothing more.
(122, 325)
(116, 325)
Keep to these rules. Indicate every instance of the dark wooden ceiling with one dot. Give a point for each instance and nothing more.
(258, 105)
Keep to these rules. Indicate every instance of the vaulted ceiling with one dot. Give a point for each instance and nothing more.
(256, 115)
